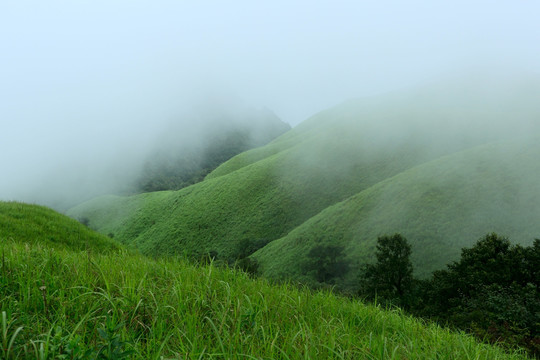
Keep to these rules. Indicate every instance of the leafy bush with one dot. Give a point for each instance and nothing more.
(326, 263)
(493, 290)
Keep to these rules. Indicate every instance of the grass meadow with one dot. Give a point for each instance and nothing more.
(66, 304)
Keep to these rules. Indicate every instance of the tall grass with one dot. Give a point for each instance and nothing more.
(78, 305)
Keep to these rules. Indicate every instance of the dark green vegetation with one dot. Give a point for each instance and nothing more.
(183, 158)
(62, 303)
(442, 165)
(391, 276)
(326, 263)
(493, 291)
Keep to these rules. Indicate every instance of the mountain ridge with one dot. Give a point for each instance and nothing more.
(268, 192)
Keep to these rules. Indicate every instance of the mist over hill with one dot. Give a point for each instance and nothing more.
(349, 152)
(142, 155)
(280, 139)
(184, 155)
(441, 206)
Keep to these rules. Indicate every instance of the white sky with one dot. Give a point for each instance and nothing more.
(82, 78)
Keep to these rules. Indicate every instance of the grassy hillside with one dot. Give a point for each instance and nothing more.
(440, 207)
(185, 155)
(38, 224)
(268, 192)
(78, 305)
(262, 200)
(442, 117)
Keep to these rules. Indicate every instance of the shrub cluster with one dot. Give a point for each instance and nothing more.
(493, 291)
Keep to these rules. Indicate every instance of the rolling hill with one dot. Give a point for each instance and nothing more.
(185, 154)
(440, 206)
(20, 222)
(58, 302)
(389, 147)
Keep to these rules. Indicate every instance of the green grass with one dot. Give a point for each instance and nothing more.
(33, 223)
(440, 207)
(350, 150)
(58, 302)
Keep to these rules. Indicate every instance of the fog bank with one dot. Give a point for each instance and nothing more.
(86, 87)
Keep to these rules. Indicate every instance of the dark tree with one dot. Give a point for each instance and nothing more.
(85, 221)
(391, 276)
(493, 290)
(248, 265)
(327, 263)
(491, 261)
(246, 247)
(533, 263)
(241, 259)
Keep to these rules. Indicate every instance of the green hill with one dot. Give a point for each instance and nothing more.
(185, 154)
(56, 303)
(21, 222)
(266, 193)
(264, 200)
(440, 207)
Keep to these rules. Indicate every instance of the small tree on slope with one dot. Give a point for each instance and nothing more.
(391, 276)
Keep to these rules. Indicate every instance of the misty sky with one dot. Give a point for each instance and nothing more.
(85, 81)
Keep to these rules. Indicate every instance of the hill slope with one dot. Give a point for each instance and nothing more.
(267, 192)
(68, 304)
(441, 207)
(32, 223)
(186, 154)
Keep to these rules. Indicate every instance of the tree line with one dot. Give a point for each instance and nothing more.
(492, 291)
